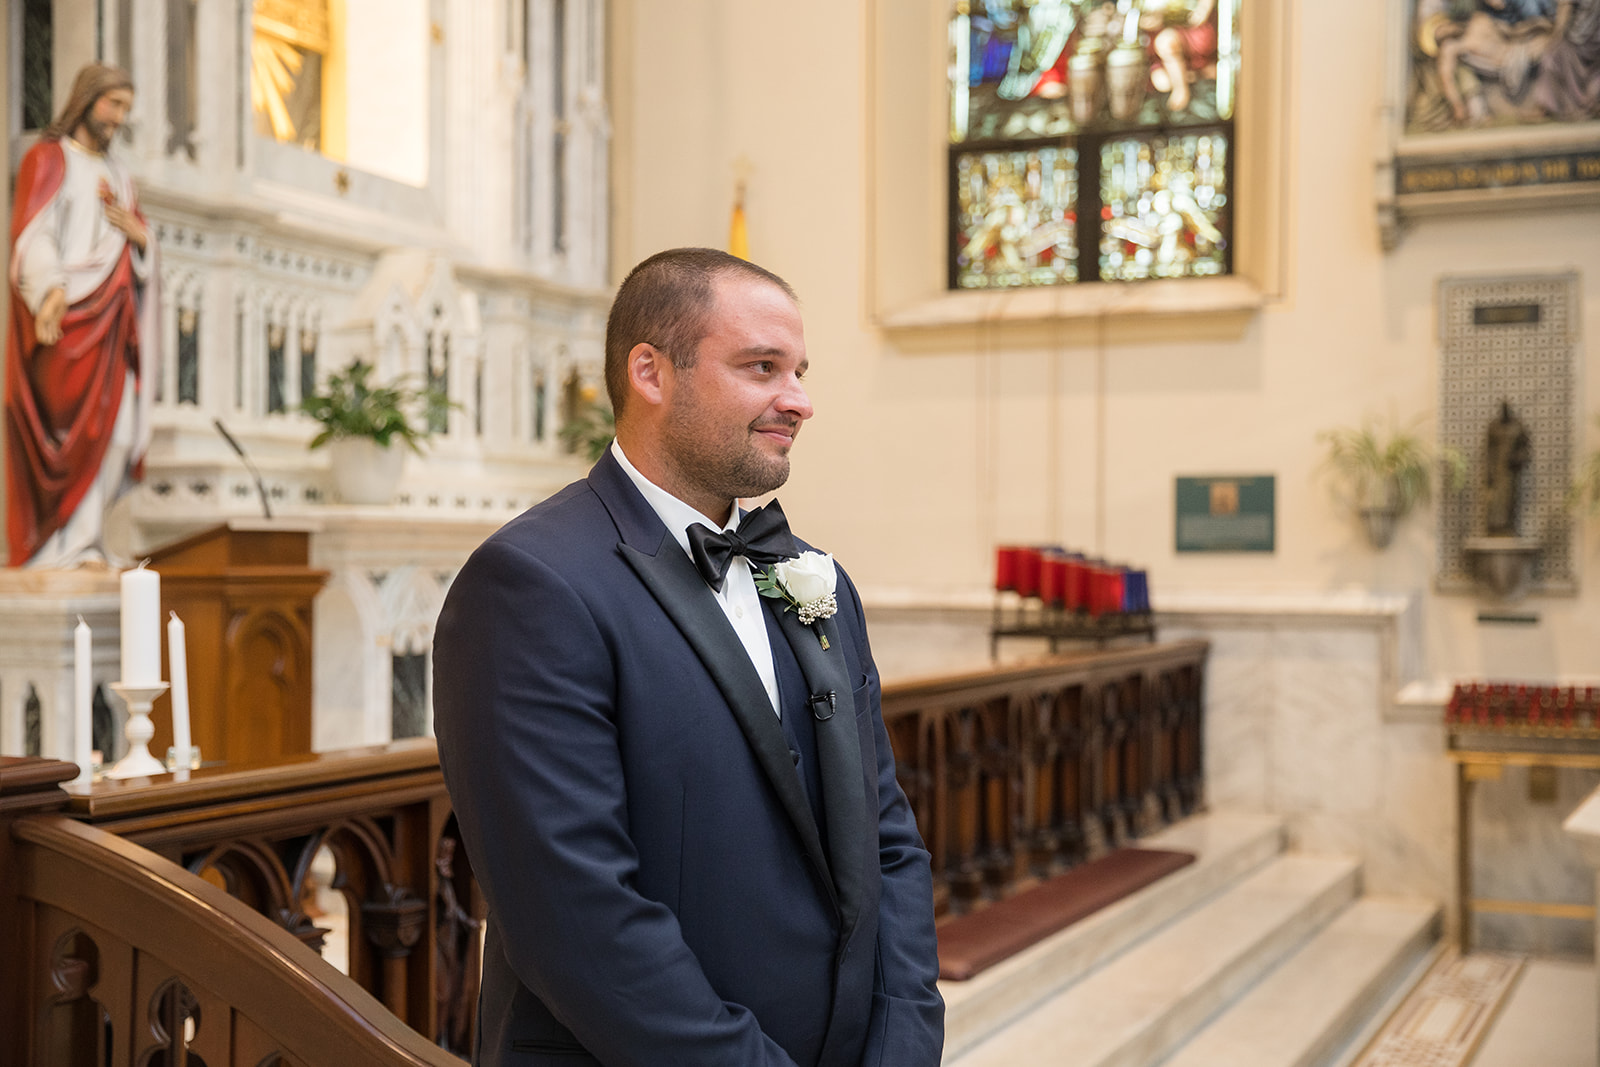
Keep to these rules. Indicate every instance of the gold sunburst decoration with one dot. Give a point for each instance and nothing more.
(284, 31)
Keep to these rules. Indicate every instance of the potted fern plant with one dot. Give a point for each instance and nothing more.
(1584, 493)
(362, 425)
(1385, 473)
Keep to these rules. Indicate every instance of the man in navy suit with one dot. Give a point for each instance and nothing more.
(662, 735)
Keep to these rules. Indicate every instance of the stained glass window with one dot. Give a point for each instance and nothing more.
(1091, 128)
(1016, 218)
(1164, 206)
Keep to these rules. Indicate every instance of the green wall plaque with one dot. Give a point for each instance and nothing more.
(1226, 513)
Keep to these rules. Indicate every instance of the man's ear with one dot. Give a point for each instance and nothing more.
(649, 370)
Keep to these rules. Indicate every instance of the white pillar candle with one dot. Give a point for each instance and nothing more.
(141, 626)
(178, 667)
(82, 700)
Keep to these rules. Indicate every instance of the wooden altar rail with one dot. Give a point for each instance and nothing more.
(1018, 773)
(1013, 773)
(411, 902)
(117, 956)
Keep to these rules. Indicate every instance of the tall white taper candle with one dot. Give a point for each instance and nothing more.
(178, 665)
(141, 627)
(82, 700)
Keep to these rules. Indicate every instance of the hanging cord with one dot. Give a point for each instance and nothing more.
(1100, 435)
(1052, 466)
(986, 467)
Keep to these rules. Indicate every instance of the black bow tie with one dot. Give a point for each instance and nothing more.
(762, 537)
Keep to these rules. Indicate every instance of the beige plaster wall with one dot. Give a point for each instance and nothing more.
(928, 449)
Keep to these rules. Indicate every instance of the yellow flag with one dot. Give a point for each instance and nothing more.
(738, 235)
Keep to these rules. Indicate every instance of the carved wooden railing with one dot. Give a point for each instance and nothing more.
(140, 901)
(411, 902)
(1017, 773)
(114, 955)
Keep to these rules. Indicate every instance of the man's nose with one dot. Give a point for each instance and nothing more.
(794, 401)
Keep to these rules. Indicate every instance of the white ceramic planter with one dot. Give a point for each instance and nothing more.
(363, 471)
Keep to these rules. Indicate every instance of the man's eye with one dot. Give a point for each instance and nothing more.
(762, 367)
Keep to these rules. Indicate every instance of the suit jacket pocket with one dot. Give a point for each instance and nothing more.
(861, 695)
(548, 1050)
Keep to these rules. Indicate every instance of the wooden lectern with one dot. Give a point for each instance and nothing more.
(244, 593)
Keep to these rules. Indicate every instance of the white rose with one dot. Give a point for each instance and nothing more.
(808, 577)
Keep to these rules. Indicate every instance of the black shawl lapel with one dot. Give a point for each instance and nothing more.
(844, 800)
(669, 574)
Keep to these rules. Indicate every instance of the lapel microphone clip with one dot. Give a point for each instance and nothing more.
(823, 705)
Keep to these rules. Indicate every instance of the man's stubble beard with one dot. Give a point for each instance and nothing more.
(728, 470)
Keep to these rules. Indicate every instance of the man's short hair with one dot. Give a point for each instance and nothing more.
(666, 302)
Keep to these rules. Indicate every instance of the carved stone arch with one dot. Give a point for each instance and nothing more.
(193, 293)
(588, 355)
(411, 599)
(349, 627)
(542, 368)
(452, 350)
(457, 305)
(180, 284)
(397, 335)
(313, 313)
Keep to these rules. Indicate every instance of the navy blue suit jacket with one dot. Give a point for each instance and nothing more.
(659, 890)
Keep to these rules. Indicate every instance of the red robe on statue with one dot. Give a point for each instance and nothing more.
(62, 400)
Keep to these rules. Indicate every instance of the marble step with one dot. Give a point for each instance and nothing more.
(1303, 1012)
(1141, 1005)
(1227, 847)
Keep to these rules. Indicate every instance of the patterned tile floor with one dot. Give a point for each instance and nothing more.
(1445, 1019)
(1489, 1010)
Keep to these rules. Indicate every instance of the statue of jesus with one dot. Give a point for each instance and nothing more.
(81, 350)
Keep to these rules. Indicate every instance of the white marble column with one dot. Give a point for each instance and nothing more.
(1584, 826)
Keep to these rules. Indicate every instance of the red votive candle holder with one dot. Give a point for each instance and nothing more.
(1076, 591)
(1029, 563)
(1053, 580)
(1005, 568)
(1096, 598)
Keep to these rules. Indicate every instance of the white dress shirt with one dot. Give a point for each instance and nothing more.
(738, 599)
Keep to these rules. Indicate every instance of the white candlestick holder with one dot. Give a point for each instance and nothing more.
(138, 763)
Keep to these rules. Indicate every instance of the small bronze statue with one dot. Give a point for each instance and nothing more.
(1507, 452)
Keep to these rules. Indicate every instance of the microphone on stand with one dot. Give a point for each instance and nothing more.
(261, 490)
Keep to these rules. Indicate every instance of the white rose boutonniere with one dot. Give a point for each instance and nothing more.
(805, 583)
